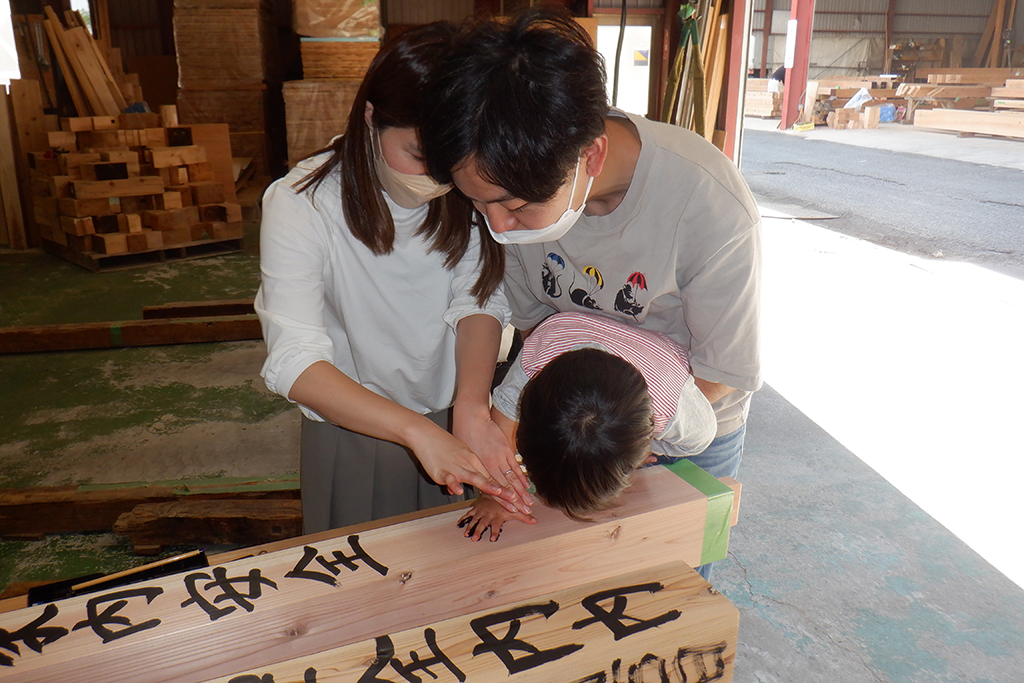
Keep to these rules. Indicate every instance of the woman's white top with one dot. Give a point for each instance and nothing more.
(388, 322)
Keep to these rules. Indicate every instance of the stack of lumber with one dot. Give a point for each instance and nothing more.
(759, 102)
(966, 76)
(338, 42)
(317, 111)
(229, 70)
(1010, 95)
(411, 599)
(109, 187)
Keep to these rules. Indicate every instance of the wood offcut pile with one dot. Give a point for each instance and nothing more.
(338, 42)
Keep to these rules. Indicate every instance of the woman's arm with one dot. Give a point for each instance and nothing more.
(343, 401)
(476, 352)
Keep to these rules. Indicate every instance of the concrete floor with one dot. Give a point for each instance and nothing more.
(838, 575)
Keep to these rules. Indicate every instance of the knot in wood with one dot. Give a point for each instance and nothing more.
(614, 535)
(404, 578)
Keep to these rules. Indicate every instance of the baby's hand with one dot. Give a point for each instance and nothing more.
(487, 512)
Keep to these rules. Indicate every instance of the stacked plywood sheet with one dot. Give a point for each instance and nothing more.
(229, 70)
(338, 42)
(110, 187)
(317, 111)
(412, 600)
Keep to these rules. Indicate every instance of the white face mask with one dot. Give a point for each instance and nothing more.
(405, 189)
(553, 232)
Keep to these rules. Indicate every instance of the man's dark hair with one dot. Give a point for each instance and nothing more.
(585, 423)
(522, 98)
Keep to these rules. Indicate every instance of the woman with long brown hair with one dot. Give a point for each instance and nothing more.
(381, 309)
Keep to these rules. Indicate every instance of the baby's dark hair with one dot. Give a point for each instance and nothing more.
(585, 423)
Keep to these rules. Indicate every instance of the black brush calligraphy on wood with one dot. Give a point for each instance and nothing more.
(615, 618)
(504, 646)
(35, 635)
(309, 553)
(100, 621)
(701, 664)
(220, 580)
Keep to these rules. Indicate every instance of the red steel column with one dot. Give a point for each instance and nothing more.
(796, 77)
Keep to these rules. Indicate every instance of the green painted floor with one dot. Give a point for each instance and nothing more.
(196, 411)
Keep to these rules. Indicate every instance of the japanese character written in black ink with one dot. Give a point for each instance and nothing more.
(386, 655)
(100, 621)
(408, 671)
(385, 651)
(647, 662)
(701, 664)
(33, 634)
(308, 676)
(220, 580)
(301, 571)
(616, 617)
(504, 646)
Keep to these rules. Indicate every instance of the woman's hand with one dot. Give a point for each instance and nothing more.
(487, 512)
(490, 443)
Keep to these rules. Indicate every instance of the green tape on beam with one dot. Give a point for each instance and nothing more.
(115, 335)
(720, 497)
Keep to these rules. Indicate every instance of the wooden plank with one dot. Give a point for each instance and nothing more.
(676, 630)
(88, 102)
(107, 335)
(130, 187)
(716, 77)
(216, 140)
(995, 52)
(152, 526)
(986, 39)
(13, 216)
(1002, 123)
(198, 309)
(40, 510)
(91, 73)
(178, 629)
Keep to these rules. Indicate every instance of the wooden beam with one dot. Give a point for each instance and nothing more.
(40, 510)
(674, 625)
(152, 526)
(199, 309)
(9, 188)
(108, 335)
(1002, 123)
(329, 593)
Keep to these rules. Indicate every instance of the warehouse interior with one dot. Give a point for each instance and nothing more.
(131, 354)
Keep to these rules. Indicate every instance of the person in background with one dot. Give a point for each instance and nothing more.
(381, 308)
(602, 210)
(777, 80)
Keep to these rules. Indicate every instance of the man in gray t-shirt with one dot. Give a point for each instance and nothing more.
(603, 211)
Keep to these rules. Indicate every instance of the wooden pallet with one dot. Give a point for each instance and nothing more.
(99, 263)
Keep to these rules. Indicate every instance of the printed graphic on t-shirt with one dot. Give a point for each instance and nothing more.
(550, 272)
(583, 287)
(591, 283)
(626, 300)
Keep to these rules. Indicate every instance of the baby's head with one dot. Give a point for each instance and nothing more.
(585, 423)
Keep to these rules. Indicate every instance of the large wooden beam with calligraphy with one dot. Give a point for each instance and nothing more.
(344, 589)
(659, 624)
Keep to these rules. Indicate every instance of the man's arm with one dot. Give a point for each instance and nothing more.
(712, 390)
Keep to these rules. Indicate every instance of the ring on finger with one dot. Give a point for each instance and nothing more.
(508, 472)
